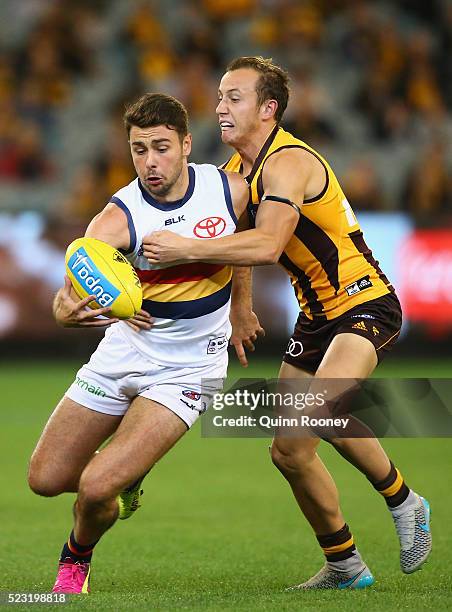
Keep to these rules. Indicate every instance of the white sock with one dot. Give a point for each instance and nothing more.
(351, 565)
(410, 501)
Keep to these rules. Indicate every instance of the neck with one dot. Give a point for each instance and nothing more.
(251, 148)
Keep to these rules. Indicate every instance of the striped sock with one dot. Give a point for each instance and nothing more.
(393, 487)
(337, 546)
(77, 552)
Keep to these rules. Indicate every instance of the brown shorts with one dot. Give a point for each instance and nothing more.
(378, 320)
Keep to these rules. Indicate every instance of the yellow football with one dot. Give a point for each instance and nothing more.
(96, 268)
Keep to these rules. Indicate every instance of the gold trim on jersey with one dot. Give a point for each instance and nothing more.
(187, 290)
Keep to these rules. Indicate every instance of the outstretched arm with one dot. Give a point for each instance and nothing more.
(285, 176)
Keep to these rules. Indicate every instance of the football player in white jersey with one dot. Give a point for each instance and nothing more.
(142, 385)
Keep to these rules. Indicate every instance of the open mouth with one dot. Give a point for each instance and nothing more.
(226, 125)
(154, 180)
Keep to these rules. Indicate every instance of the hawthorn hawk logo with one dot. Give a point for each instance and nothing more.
(210, 227)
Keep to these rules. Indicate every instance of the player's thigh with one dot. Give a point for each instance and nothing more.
(361, 338)
(348, 356)
(293, 382)
(67, 443)
(289, 371)
(349, 359)
(147, 431)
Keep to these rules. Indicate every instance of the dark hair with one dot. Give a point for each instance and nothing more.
(273, 83)
(157, 109)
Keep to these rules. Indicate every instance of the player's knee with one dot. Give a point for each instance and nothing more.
(292, 458)
(41, 484)
(282, 459)
(95, 491)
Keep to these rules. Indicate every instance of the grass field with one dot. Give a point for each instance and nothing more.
(219, 529)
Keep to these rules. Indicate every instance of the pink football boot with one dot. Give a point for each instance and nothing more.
(72, 577)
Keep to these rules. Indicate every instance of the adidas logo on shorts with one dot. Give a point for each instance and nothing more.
(360, 325)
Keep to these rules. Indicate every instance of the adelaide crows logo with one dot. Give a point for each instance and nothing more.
(193, 395)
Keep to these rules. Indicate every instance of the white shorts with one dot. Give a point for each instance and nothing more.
(117, 373)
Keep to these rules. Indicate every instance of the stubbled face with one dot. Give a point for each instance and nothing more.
(238, 111)
(159, 158)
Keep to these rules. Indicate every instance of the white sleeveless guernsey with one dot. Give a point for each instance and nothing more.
(190, 302)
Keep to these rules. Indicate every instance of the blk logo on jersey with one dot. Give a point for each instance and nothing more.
(174, 220)
(210, 227)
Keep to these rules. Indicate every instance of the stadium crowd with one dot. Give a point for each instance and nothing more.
(366, 76)
(371, 89)
(36, 78)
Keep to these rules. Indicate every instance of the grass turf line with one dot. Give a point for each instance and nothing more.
(219, 529)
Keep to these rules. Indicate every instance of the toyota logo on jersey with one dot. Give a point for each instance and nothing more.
(210, 227)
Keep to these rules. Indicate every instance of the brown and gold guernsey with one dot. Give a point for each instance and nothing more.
(329, 264)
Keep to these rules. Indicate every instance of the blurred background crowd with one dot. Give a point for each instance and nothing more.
(371, 90)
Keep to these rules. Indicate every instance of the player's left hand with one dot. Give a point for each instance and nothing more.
(165, 247)
(70, 311)
(142, 320)
(245, 331)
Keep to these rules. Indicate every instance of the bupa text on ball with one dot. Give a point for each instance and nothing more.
(92, 281)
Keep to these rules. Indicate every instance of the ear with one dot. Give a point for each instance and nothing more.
(186, 145)
(269, 108)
